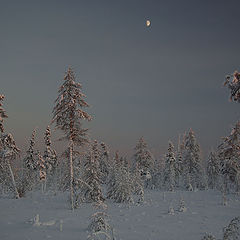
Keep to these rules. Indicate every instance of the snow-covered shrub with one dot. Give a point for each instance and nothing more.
(99, 227)
(232, 231)
(208, 237)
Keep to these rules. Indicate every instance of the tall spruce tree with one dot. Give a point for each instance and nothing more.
(193, 166)
(104, 162)
(42, 171)
(144, 158)
(213, 170)
(121, 186)
(50, 156)
(170, 171)
(68, 114)
(229, 154)
(92, 182)
(30, 166)
(8, 152)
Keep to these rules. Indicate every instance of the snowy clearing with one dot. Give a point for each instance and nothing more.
(205, 213)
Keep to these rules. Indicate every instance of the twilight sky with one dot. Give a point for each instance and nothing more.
(154, 82)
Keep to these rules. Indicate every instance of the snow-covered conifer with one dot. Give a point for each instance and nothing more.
(30, 166)
(144, 158)
(112, 176)
(213, 170)
(120, 187)
(50, 155)
(138, 184)
(208, 237)
(179, 162)
(30, 161)
(170, 168)
(8, 153)
(193, 165)
(68, 114)
(99, 226)
(182, 207)
(233, 83)
(104, 162)
(91, 189)
(229, 153)
(42, 170)
(171, 210)
(2, 113)
(232, 231)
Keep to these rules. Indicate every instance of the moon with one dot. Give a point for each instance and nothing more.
(148, 23)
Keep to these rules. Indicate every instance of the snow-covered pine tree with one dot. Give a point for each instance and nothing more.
(30, 162)
(193, 166)
(30, 166)
(179, 161)
(138, 184)
(91, 186)
(144, 158)
(229, 154)
(213, 170)
(68, 115)
(170, 168)
(233, 83)
(111, 181)
(42, 171)
(50, 156)
(104, 162)
(120, 187)
(8, 153)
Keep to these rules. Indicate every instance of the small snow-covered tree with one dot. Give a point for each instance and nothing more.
(68, 114)
(138, 184)
(42, 170)
(170, 168)
(30, 166)
(120, 187)
(182, 207)
(91, 189)
(144, 158)
(229, 154)
(8, 153)
(179, 162)
(232, 231)
(193, 166)
(104, 162)
(208, 237)
(213, 170)
(30, 162)
(50, 155)
(99, 226)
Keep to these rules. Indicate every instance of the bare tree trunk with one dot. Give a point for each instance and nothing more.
(71, 173)
(13, 179)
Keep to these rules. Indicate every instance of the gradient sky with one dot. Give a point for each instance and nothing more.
(154, 82)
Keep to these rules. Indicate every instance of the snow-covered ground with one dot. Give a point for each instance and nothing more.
(205, 213)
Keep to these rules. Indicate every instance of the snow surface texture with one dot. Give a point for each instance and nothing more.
(205, 214)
